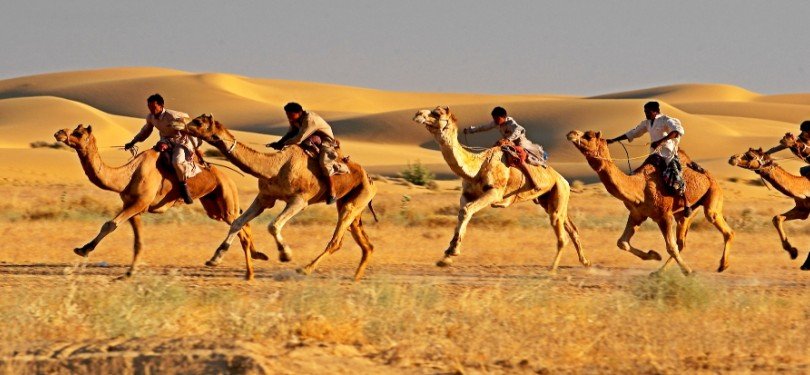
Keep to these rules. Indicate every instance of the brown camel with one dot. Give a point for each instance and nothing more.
(644, 196)
(293, 177)
(145, 185)
(796, 187)
(488, 181)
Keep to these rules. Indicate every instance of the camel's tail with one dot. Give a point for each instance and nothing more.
(371, 208)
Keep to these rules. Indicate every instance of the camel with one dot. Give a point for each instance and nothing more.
(644, 196)
(796, 187)
(488, 181)
(146, 186)
(293, 177)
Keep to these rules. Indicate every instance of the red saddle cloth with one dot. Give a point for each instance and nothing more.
(515, 155)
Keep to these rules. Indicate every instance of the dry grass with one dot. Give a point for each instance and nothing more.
(657, 325)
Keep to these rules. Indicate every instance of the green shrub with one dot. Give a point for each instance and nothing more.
(417, 174)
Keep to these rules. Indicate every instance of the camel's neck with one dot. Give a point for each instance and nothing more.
(788, 184)
(252, 162)
(620, 185)
(99, 173)
(463, 163)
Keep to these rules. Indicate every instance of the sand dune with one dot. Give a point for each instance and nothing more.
(686, 92)
(25, 120)
(375, 125)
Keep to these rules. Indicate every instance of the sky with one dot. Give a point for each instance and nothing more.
(559, 47)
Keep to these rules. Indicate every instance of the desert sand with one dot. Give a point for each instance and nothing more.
(496, 311)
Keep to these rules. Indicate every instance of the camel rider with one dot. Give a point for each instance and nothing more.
(170, 125)
(311, 131)
(513, 132)
(665, 136)
(804, 136)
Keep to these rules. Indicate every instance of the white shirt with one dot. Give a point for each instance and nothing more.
(167, 123)
(659, 128)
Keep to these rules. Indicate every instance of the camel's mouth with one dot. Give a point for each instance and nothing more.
(574, 135)
(734, 160)
(61, 135)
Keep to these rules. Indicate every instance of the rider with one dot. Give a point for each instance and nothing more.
(512, 131)
(170, 125)
(665, 136)
(309, 129)
(804, 136)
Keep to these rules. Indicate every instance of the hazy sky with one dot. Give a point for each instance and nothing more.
(565, 47)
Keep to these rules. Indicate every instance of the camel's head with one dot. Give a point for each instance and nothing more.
(437, 121)
(789, 140)
(589, 142)
(207, 129)
(753, 159)
(78, 139)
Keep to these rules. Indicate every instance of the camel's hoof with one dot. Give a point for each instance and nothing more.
(212, 263)
(249, 277)
(303, 271)
(586, 263)
(80, 251)
(655, 274)
(653, 255)
(259, 255)
(794, 252)
(446, 262)
(284, 257)
(722, 267)
(806, 265)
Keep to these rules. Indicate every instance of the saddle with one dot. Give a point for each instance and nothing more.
(515, 155)
(165, 159)
(312, 145)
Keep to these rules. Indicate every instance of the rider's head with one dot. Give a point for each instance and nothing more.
(498, 115)
(293, 111)
(805, 130)
(651, 109)
(155, 104)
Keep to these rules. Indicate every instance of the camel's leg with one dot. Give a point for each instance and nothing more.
(793, 214)
(633, 222)
(255, 209)
(348, 212)
(714, 214)
(135, 222)
(223, 204)
(110, 226)
(293, 207)
(573, 232)
(681, 231)
(667, 225)
(465, 213)
(362, 240)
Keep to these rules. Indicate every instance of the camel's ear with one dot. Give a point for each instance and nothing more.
(760, 149)
(89, 128)
(446, 109)
(599, 135)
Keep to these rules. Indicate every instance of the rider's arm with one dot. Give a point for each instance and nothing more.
(619, 138)
(776, 149)
(482, 128)
(672, 135)
(146, 130)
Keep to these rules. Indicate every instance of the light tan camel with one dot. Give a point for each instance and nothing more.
(488, 181)
(796, 187)
(144, 185)
(292, 177)
(644, 196)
